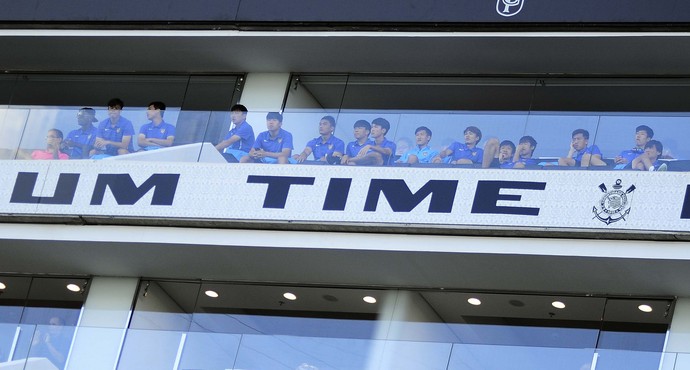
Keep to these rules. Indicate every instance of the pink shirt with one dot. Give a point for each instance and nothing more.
(44, 154)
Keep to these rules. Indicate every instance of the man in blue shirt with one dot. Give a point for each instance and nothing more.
(421, 153)
(324, 145)
(157, 133)
(360, 130)
(580, 153)
(643, 134)
(272, 146)
(649, 160)
(466, 153)
(240, 139)
(380, 151)
(114, 133)
(80, 141)
(523, 154)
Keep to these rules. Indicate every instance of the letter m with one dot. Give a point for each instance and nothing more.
(126, 192)
(401, 199)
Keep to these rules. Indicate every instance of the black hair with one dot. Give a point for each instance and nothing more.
(114, 102)
(239, 108)
(330, 119)
(530, 140)
(655, 143)
(362, 123)
(274, 115)
(57, 132)
(158, 105)
(423, 128)
(582, 131)
(509, 143)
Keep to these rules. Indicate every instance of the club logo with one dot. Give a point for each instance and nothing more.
(509, 8)
(615, 204)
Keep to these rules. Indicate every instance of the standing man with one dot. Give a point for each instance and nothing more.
(240, 139)
(643, 134)
(272, 146)
(79, 142)
(325, 145)
(157, 133)
(421, 153)
(114, 133)
(380, 151)
(580, 153)
(466, 153)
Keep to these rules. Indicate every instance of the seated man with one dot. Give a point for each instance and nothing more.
(361, 130)
(498, 155)
(580, 153)
(380, 151)
(421, 153)
(649, 160)
(523, 154)
(53, 147)
(79, 142)
(272, 146)
(643, 134)
(466, 153)
(240, 139)
(157, 133)
(114, 133)
(325, 145)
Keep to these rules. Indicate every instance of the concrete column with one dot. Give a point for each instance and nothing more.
(99, 336)
(264, 92)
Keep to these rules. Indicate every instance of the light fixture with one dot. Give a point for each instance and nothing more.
(474, 301)
(289, 296)
(211, 293)
(369, 299)
(645, 308)
(558, 304)
(73, 288)
(2, 286)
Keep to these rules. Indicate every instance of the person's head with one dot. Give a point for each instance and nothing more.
(580, 139)
(527, 145)
(402, 146)
(327, 125)
(472, 135)
(506, 150)
(422, 136)
(155, 109)
(643, 134)
(653, 149)
(86, 117)
(361, 129)
(54, 137)
(380, 127)
(238, 113)
(274, 121)
(115, 106)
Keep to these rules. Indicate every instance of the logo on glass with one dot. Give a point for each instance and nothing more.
(509, 8)
(614, 204)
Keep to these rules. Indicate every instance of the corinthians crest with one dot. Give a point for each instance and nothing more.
(615, 204)
(509, 8)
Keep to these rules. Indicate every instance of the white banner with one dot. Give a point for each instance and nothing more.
(627, 200)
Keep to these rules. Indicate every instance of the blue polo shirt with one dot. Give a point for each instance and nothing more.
(276, 145)
(353, 147)
(321, 149)
(632, 153)
(81, 138)
(425, 155)
(123, 127)
(390, 145)
(526, 161)
(163, 131)
(592, 150)
(246, 134)
(462, 151)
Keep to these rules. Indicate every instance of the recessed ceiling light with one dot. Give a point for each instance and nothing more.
(369, 299)
(289, 296)
(474, 301)
(645, 308)
(73, 288)
(558, 304)
(2, 286)
(211, 293)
